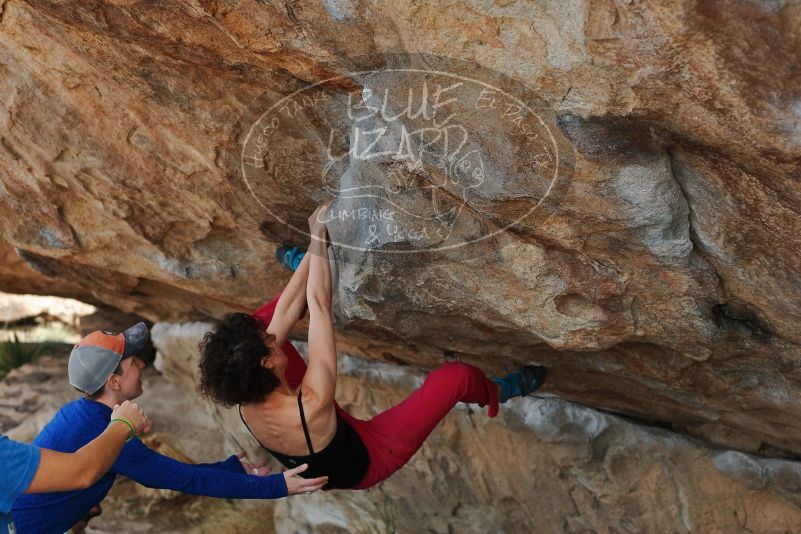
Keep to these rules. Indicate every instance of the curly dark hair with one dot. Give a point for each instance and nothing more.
(230, 363)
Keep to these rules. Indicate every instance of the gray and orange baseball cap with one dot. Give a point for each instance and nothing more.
(98, 354)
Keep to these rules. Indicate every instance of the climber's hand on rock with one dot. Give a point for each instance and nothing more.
(258, 470)
(297, 485)
(316, 225)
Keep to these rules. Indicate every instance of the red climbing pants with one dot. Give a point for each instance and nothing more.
(392, 437)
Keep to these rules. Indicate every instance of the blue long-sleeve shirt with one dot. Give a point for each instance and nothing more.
(79, 422)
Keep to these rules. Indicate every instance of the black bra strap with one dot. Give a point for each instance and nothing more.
(303, 422)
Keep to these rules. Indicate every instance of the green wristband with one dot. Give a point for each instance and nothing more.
(130, 425)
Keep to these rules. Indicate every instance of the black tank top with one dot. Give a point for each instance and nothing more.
(345, 460)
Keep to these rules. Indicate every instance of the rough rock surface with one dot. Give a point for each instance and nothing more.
(659, 277)
(544, 465)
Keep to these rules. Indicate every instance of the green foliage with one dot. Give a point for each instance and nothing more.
(14, 353)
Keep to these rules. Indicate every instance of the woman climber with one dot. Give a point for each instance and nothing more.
(289, 407)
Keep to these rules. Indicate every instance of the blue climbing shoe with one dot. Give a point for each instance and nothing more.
(289, 257)
(522, 382)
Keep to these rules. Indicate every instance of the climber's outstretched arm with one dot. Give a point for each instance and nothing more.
(291, 304)
(321, 376)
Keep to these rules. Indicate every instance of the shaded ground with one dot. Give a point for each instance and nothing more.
(126, 510)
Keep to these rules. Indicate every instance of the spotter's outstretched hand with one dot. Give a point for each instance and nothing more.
(297, 485)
